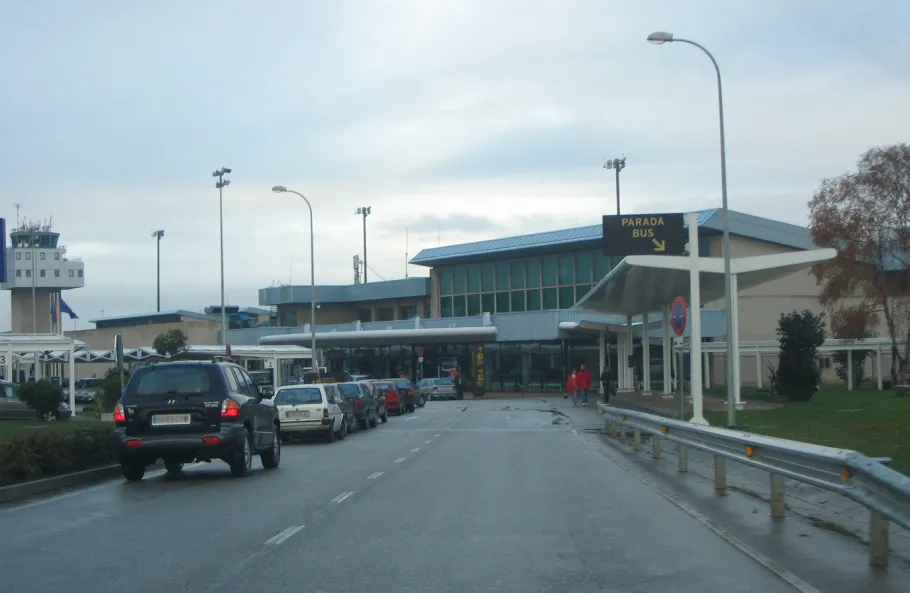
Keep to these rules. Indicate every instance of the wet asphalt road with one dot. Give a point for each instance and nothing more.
(503, 497)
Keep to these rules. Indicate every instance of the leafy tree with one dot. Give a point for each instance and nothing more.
(853, 323)
(170, 342)
(865, 215)
(41, 396)
(110, 390)
(799, 334)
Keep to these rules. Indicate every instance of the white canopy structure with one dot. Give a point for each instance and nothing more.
(642, 285)
(19, 346)
(274, 354)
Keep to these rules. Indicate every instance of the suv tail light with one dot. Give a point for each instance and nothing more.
(119, 413)
(435, 388)
(357, 403)
(410, 393)
(230, 409)
(325, 415)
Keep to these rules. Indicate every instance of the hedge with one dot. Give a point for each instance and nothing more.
(46, 454)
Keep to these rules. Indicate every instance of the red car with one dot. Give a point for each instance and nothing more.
(394, 399)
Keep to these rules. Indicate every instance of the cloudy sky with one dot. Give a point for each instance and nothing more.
(457, 121)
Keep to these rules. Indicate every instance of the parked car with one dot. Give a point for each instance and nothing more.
(13, 408)
(382, 412)
(364, 407)
(409, 392)
(436, 388)
(194, 411)
(394, 399)
(311, 408)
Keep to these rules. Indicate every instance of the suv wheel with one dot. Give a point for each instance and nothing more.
(132, 470)
(242, 463)
(272, 456)
(173, 466)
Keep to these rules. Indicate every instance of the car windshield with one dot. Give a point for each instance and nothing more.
(443, 381)
(349, 389)
(178, 379)
(298, 395)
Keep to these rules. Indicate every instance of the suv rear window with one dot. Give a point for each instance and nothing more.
(298, 395)
(161, 380)
(349, 390)
(443, 381)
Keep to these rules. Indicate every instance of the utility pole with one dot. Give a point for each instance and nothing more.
(364, 211)
(157, 235)
(221, 184)
(617, 165)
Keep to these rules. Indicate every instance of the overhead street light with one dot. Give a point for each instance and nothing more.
(364, 211)
(280, 189)
(617, 165)
(157, 235)
(221, 184)
(659, 38)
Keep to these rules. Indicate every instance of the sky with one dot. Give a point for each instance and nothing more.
(455, 121)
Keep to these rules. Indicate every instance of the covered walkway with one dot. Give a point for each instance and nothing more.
(642, 288)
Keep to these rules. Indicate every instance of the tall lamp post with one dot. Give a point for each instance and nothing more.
(280, 189)
(659, 38)
(364, 211)
(617, 165)
(157, 235)
(221, 184)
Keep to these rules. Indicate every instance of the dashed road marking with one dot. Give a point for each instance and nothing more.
(400, 459)
(341, 497)
(279, 538)
(437, 435)
(410, 418)
(428, 442)
(374, 476)
(415, 450)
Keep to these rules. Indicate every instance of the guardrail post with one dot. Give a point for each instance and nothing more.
(778, 508)
(655, 447)
(879, 528)
(683, 453)
(720, 475)
(636, 434)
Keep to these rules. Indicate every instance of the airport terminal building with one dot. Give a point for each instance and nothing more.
(520, 312)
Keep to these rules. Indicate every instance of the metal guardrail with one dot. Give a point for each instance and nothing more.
(867, 481)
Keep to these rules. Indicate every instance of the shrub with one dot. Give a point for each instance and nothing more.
(107, 395)
(41, 396)
(800, 333)
(45, 454)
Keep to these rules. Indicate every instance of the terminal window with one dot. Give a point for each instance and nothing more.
(530, 284)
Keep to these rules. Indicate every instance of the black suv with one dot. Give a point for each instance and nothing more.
(194, 411)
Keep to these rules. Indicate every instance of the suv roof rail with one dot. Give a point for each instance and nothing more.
(221, 358)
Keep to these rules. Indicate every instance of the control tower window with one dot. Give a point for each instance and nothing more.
(80, 273)
(71, 273)
(28, 255)
(42, 273)
(57, 255)
(18, 273)
(56, 273)
(28, 273)
(41, 255)
(18, 255)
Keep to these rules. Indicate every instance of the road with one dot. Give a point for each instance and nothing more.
(459, 497)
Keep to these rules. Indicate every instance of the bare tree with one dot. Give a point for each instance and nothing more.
(865, 215)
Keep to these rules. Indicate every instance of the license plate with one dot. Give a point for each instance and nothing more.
(170, 419)
(303, 414)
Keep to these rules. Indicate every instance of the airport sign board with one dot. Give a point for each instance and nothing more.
(644, 234)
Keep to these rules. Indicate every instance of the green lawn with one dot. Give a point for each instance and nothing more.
(10, 428)
(876, 423)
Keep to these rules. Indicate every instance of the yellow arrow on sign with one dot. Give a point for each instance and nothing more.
(659, 245)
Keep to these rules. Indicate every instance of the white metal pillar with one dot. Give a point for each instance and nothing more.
(758, 371)
(667, 357)
(695, 379)
(276, 373)
(72, 375)
(878, 365)
(601, 355)
(628, 379)
(645, 353)
(736, 367)
(9, 364)
(850, 370)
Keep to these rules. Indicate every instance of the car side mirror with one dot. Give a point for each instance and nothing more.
(267, 392)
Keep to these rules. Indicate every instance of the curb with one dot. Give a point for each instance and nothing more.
(24, 490)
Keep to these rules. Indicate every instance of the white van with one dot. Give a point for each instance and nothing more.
(311, 408)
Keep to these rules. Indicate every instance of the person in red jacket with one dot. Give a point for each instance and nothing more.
(583, 383)
(571, 386)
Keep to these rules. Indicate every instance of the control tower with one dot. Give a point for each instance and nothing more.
(37, 271)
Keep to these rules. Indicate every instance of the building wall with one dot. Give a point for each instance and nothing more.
(296, 315)
(21, 311)
(198, 332)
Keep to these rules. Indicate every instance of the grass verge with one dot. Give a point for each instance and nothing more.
(875, 423)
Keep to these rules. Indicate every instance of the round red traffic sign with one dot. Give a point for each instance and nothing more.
(678, 316)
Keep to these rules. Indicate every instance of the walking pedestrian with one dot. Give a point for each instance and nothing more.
(572, 387)
(459, 382)
(584, 384)
(606, 383)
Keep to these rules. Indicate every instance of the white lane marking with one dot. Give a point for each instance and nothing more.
(341, 497)
(409, 418)
(784, 574)
(278, 539)
(428, 442)
(415, 450)
(374, 476)
(437, 435)
(400, 459)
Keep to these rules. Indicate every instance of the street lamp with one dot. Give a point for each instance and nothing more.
(221, 184)
(364, 211)
(157, 235)
(659, 38)
(617, 165)
(280, 189)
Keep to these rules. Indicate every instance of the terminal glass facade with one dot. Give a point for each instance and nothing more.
(527, 284)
